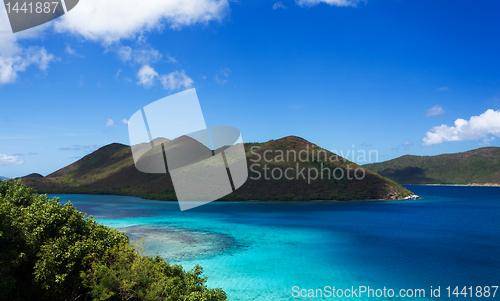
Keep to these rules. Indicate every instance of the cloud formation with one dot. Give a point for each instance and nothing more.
(144, 56)
(329, 2)
(485, 126)
(172, 81)
(405, 146)
(222, 75)
(443, 89)
(10, 160)
(434, 111)
(176, 80)
(279, 5)
(112, 20)
(76, 147)
(107, 22)
(110, 122)
(11, 66)
(14, 58)
(72, 51)
(147, 76)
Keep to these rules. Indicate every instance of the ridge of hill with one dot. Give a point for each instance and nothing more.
(111, 170)
(475, 167)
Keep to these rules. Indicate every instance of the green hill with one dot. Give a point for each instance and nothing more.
(476, 167)
(111, 170)
(33, 175)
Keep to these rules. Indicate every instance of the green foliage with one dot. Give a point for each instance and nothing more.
(51, 251)
(124, 274)
(476, 166)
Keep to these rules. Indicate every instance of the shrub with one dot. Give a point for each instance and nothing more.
(50, 251)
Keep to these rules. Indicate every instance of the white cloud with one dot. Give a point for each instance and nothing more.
(279, 5)
(125, 121)
(483, 126)
(434, 111)
(86, 148)
(222, 75)
(176, 80)
(112, 20)
(443, 89)
(110, 122)
(225, 72)
(143, 56)
(117, 74)
(8, 40)
(72, 51)
(10, 160)
(11, 66)
(108, 22)
(147, 76)
(219, 80)
(125, 53)
(329, 2)
(172, 81)
(486, 141)
(405, 146)
(14, 58)
(171, 59)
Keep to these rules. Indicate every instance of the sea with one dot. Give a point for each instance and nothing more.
(443, 246)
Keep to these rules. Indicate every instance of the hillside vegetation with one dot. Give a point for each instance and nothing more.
(51, 251)
(479, 166)
(111, 170)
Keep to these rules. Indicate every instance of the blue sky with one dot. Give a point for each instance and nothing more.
(399, 77)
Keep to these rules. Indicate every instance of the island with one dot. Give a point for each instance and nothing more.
(478, 167)
(290, 169)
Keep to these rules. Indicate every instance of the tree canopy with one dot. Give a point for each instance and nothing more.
(50, 251)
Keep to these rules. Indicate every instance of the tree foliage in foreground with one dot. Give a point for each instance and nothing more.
(50, 251)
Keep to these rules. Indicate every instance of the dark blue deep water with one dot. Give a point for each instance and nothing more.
(268, 251)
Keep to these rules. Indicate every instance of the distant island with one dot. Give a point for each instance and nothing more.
(479, 167)
(3, 178)
(111, 170)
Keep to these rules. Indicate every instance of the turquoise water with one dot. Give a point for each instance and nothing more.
(261, 251)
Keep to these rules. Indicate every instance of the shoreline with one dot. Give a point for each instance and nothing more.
(314, 201)
(247, 201)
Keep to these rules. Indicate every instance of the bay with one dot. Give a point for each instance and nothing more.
(275, 251)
